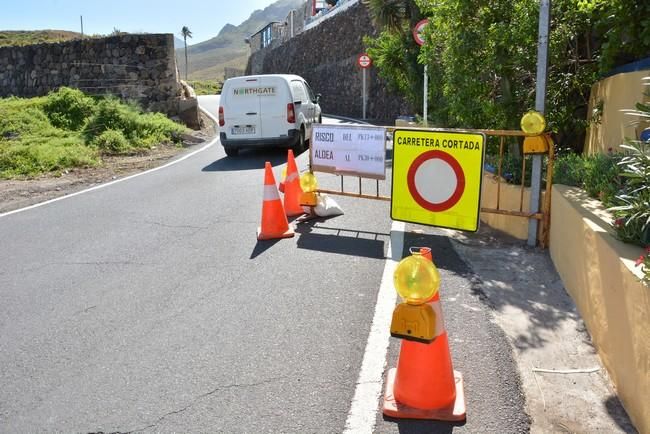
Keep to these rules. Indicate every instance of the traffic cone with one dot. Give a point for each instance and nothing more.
(292, 189)
(274, 221)
(424, 385)
(283, 177)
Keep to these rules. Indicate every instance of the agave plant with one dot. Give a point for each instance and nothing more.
(633, 212)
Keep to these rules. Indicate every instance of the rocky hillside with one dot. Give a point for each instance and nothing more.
(208, 59)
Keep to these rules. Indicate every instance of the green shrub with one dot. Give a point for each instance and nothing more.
(569, 169)
(20, 116)
(598, 175)
(110, 114)
(68, 108)
(205, 87)
(602, 177)
(112, 142)
(152, 128)
(30, 143)
(141, 130)
(40, 155)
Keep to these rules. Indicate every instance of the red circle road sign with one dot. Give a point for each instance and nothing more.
(436, 181)
(364, 61)
(417, 31)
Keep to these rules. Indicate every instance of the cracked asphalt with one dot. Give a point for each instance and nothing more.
(149, 306)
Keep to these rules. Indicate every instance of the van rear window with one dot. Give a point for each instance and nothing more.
(254, 91)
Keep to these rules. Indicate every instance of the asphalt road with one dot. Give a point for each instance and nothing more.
(149, 306)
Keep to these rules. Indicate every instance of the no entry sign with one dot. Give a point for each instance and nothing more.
(437, 178)
(417, 31)
(364, 61)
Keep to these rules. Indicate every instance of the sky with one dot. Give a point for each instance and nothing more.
(204, 18)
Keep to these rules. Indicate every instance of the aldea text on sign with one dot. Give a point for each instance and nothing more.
(349, 150)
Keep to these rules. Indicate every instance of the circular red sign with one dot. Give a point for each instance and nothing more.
(460, 181)
(417, 31)
(364, 61)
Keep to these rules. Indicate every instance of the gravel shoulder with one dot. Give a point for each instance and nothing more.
(566, 386)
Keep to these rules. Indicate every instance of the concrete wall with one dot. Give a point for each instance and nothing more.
(610, 127)
(136, 67)
(509, 199)
(599, 273)
(326, 56)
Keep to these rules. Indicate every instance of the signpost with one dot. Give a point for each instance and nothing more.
(364, 61)
(540, 106)
(437, 178)
(419, 39)
(349, 150)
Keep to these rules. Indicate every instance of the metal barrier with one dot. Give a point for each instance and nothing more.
(543, 216)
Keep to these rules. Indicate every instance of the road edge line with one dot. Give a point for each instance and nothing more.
(97, 187)
(363, 410)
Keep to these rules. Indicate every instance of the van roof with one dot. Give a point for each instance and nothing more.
(258, 76)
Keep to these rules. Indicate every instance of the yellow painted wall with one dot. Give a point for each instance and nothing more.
(509, 199)
(599, 273)
(618, 92)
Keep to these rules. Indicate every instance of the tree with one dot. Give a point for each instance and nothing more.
(186, 33)
(396, 16)
(481, 57)
(394, 51)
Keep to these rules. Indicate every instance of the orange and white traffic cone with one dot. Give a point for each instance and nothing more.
(283, 177)
(424, 385)
(292, 189)
(274, 221)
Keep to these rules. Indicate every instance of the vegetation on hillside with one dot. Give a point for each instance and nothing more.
(208, 59)
(68, 129)
(482, 57)
(206, 87)
(20, 37)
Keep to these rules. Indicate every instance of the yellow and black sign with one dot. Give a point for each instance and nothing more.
(437, 178)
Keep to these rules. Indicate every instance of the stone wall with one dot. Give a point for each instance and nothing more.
(132, 67)
(326, 56)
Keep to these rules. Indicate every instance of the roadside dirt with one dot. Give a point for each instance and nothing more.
(15, 194)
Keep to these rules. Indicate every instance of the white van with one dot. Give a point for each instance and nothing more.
(267, 110)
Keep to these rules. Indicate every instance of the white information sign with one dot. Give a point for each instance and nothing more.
(349, 150)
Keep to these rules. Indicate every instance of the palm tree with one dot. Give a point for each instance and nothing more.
(393, 14)
(186, 33)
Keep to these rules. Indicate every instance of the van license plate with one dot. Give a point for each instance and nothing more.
(243, 130)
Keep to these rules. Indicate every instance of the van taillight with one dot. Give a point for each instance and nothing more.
(222, 121)
(291, 113)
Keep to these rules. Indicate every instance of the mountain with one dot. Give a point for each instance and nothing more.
(178, 43)
(208, 59)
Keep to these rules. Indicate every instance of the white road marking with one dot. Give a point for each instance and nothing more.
(363, 411)
(97, 187)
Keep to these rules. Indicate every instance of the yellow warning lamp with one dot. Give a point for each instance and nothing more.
(417, 281)
(533, 123)
(537, 144)
(309, 185)
(308, 182)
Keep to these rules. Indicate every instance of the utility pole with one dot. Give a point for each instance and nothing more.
(540, 106)
(81, 17)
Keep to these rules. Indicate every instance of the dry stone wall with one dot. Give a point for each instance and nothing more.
(132, 67)
(326, 56)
